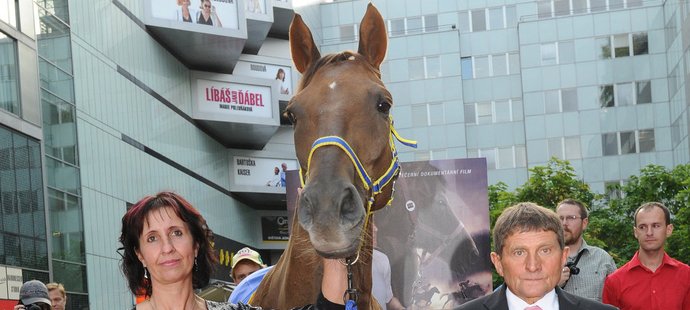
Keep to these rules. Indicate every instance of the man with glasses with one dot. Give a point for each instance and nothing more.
(587, 266)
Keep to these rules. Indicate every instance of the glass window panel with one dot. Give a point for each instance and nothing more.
(609, 144)
(647, 140)
(505, 158)
(627, 142)
(616, 4)
(8, 12)
(644, 92)
(637, 3)
(414, 24)
(433, 66)
(566, 52)
(572, 148)
(496, 18)
(70, 275)
(604, 47)
(579, 6)
(520, 157)
(490, 155)
(569, 99)
(481, 66)
(415, 68)
(9, 75)
(54, 41)
(624, 94)
(436, 114)
(56, 80)
(347, 33)
(419, 115)
(544, 8)
(430, 23)
(470, 117)
(552, 101)
(555, 148)
(472, 153)
(640, 43)
(597, 5)
(514, 63)
(561, 7)
(466, 66)
(606, 99)
(548, 54)
(478, 20)
(484, 114)
(464, 21)
(397, 27)
(620, 45)
(511, 16)
(517, 109)
(499, 64)
(502, 108)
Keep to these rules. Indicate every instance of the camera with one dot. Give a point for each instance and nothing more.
(33, 307)
(573, 269)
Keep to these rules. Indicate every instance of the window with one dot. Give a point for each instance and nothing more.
(609, 144)
(496, 18)
(637, 3)
(433, 66)
(505, 158)
(520, 156)
(416, 68)
(503, 112)
(620, 45)
(566, 52)
(420, 116)
(511, 16)
(397, 27)
(640, 43)
(484, 114)
(548, 54)
(470, 116)
(572, 148)
(478, 20)
(517, 109)
(627, 142)
(544, 8)
(597, 5)
(514, 63)
(347, 33)
(569, 100)
(604, 47)
(430, 23)
(624, 94)
(552, 101)
(466, 67)
(499, 64)
(644, 92)
(8, 12)
(606, 96)
(579, 6)
(464, 21)
(646, 140)
(561, 7)
(9, 76)
(555, 148)
(490, 155)
(481, 66)
(615, 4)
(414, 25)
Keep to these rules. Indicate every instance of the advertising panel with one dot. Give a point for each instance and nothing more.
(256, 6)
(211, 13)
(267, 71)
(14, 282)
(234, 99)
(274, 228)
(257, 171)
(3, 283)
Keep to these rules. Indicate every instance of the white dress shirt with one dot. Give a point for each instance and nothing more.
(548, 302)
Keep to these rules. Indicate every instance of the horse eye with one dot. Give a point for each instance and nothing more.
(291, 117)
(383, 106)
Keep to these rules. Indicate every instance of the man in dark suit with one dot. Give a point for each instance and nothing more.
(530, 254)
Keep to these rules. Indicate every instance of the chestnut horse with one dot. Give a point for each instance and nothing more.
(343, 134)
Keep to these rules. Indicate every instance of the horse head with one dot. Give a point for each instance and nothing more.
(342, 132)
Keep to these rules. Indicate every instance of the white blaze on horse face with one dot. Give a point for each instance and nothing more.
(332, 85)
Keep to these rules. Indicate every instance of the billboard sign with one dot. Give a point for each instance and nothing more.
(258, 171)
(227, 98)
(14, 282)
(274, 228)
(267, 71)
(207, 13)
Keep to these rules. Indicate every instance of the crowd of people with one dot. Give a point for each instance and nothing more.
(541, 254)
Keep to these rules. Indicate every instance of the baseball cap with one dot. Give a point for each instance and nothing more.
(246, 253)
(32, 292)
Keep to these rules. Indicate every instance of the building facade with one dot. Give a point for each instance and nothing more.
(106, 101)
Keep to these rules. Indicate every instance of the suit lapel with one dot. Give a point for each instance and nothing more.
(566, 301)
(497, 300)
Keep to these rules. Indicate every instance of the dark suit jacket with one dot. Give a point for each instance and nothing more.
(566, 301)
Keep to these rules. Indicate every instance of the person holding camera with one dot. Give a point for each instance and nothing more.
(587, 266)
(33, 295)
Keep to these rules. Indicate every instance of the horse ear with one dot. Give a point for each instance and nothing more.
(373, 39)
(302, 46)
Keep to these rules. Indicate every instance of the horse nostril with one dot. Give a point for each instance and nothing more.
(350, 205)
(306, 215)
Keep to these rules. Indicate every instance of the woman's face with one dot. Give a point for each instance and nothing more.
(166, 247)
(281, 75)
(206, 6)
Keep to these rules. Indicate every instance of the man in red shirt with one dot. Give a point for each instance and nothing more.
(651, 280)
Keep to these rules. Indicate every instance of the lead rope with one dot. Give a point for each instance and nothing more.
(351, 295)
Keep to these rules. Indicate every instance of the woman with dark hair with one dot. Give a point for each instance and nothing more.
(166, 249)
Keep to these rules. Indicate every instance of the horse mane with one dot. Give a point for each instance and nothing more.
(333, 58)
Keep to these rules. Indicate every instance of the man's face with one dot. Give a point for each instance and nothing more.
(243, 269)
(530, 263)
(57, 299)
(284, 166)
(651, 230)
(573, 223)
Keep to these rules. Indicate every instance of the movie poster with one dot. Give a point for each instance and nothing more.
(436, 233)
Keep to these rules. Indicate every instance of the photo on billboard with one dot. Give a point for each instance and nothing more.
(256, 6)
(211, 13)
(257, 171)
(267, 71)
